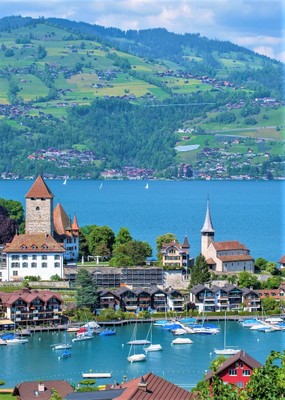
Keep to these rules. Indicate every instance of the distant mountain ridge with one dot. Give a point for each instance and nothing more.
(81, 99)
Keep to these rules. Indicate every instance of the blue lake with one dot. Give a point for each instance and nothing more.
(184, 365)
(251, 212)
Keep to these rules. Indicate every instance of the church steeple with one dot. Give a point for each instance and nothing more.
(207, 232)
(208, 226)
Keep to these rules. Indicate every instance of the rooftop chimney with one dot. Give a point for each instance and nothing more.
(142, 385)
(41, 387)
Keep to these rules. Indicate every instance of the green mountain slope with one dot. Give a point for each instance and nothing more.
(103, 98)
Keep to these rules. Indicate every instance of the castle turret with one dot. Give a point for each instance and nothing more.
(207, 232)
(39, 208)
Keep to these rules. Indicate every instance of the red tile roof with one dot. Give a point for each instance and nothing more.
(28, 295)
(237, 257)
(60, 220)
(152, 387)
(39, 190)
(240, 356)
(33, 243)
(166, 246)
(30, 390)
(231, 245)
(282, 260)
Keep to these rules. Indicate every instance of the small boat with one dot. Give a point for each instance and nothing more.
(65, 354)
(274, 320)
(182, 341)
(138, 342)
(16, 340)
(133, 356)
(101, 186)
(146, 186)
(226, 351)
(160, 322)
(62, 346)
(83, 334)
(152, 347)
(65, 181)
(107, 332)
(248, 323)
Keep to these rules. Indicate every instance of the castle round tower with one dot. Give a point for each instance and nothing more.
(39, 208)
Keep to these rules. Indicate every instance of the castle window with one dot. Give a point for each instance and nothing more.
(24, 257)
(15, 265)
(34, 257)
(15, 273)
(15, 257)
(44, 257)
(44, 265)
(34, 265)
(25, 265)
(56, 265)
(57, 257)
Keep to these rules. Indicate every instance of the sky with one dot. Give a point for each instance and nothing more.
(255, 24)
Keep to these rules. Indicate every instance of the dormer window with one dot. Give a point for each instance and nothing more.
(44, 246)
(34, 247)
(23, 247)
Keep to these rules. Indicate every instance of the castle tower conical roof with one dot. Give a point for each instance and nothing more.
(39, 190)
(60, 219)
(186, 244)
(208, 226)
(75, 225)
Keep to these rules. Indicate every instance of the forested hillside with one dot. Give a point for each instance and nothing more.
(80, 100)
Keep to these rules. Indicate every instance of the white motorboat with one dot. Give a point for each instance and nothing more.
(16, 340)
(137, 357)
(182, 341)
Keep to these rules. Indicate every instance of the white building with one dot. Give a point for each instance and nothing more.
(34, 254)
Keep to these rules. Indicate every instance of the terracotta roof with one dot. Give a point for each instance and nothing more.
(75, 225)
(282, 260)
(28, 295)
(60, 220)
(174, 243)
(152, 387)
(33, 243)
(39, 190)
(237, 257)
(231, 245)
(210, 261)
(30, 390)
(240, 356)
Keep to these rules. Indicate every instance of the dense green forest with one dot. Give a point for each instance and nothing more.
(78, 99)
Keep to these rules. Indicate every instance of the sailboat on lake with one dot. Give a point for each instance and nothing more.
(152, 347)
(133, 356)
(226, 351)
(146, 186)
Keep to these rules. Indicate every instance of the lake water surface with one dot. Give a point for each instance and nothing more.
(251, 212)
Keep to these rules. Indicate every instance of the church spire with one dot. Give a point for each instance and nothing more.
(208, 226)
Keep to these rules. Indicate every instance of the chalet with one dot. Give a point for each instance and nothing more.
(26, 307)
(223, 257)
(175, 254)
(236, 370)
(251, 300)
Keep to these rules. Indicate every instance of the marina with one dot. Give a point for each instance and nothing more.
(183, 365)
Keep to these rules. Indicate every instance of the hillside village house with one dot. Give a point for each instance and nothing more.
(50, 239)
(236, 370)
(223, 257)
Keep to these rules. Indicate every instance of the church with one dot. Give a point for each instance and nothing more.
(223, 257)
(50, 239)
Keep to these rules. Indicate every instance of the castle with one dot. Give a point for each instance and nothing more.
(50, 239)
